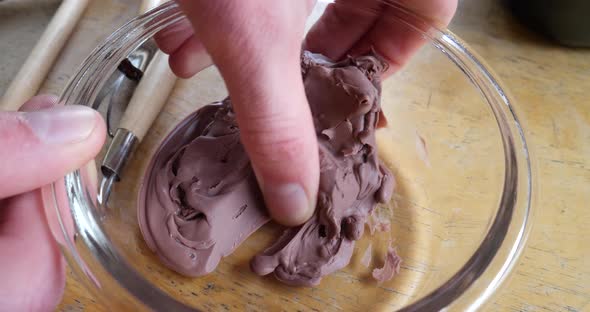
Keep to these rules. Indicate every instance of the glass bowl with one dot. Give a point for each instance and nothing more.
(461, 208)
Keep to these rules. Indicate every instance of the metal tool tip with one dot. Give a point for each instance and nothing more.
(106, 186)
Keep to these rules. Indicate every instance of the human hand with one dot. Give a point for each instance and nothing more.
(357, 26)
(38, 146)
(256, 45)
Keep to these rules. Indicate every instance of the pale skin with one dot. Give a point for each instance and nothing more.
(259, 61)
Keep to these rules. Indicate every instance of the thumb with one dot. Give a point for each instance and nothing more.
(259, 59)
(37, 148)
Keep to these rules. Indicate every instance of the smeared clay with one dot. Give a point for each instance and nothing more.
(200, 199)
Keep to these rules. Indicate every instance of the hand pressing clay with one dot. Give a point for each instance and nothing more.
(345, 102)
(200, 199)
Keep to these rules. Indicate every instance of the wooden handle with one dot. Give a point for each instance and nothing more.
(32, 74)
(147, 5)
(152, 91)
(149, 96)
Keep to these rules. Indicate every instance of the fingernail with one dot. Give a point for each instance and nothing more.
(288, 203)
(62, 125)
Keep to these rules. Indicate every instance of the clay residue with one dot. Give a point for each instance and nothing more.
(390, 267)
(380, 220)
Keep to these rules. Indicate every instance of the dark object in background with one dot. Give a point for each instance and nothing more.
(566, 21)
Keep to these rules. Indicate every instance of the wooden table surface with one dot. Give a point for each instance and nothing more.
(551, 85)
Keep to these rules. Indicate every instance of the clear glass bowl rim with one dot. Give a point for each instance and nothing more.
(467, 289)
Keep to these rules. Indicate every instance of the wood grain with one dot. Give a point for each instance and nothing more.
(551, 85)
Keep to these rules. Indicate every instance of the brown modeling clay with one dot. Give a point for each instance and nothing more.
(200, 199)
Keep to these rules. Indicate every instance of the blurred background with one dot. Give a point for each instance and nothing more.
(539, 48)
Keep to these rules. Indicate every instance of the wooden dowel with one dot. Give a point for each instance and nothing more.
(28, 80)
(147, 5)
(153, 89)
(149, 97)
